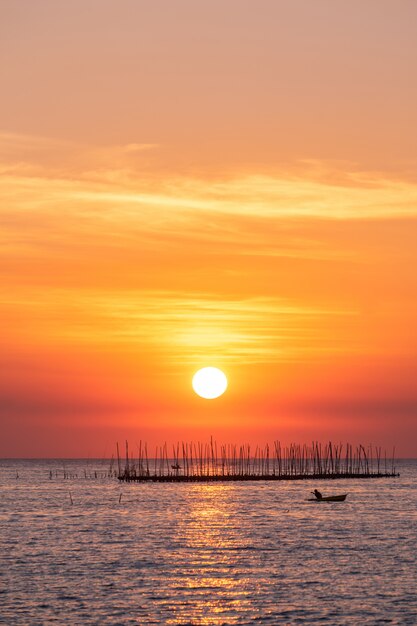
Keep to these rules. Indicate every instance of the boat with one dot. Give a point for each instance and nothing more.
(341, 498)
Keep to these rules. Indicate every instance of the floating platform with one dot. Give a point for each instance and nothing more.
(214, 478)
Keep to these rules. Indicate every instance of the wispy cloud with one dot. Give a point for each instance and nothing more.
(106, 180)
(248, 330)
(256, 267)
(184, 328)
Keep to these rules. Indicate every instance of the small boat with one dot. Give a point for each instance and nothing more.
(341, 498)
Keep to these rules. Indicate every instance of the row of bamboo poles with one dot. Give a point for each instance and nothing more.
(208, 462)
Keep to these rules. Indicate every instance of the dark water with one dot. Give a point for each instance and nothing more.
(232, 553)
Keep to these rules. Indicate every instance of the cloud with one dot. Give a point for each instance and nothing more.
(266, 267)
(110, 181)
(183, 328)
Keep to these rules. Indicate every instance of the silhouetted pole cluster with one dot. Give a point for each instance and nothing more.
(196, 461)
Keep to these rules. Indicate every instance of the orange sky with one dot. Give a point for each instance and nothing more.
(228, 183)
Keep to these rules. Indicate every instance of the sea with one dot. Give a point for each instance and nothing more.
(78, 547)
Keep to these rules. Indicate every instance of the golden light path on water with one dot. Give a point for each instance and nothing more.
(211, 578)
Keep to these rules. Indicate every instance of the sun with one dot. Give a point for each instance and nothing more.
(209, 383)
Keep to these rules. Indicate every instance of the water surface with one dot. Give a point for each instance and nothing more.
(87, 550)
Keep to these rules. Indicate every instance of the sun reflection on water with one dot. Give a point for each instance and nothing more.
(216, 592)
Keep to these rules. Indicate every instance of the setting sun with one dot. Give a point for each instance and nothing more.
(209, 383)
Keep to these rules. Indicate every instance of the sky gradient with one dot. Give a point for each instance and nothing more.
(187, 184)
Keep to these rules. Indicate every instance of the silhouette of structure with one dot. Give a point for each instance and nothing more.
(208, 462)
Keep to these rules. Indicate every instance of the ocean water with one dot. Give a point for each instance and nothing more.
(88, 550)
